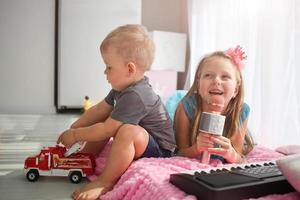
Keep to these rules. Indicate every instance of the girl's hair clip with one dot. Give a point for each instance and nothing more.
(237, 56)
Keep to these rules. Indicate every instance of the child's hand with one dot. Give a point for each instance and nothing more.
(204, 142)
(67, 138)
(225, 150)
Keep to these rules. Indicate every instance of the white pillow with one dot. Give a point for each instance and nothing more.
(290, 167)
(288, 149)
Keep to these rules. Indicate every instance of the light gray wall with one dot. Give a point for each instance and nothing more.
(27, 49)
(27, 56)
(167, 15)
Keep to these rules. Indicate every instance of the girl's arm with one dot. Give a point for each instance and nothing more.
(97, 113)
(238, 139)
(182, 135)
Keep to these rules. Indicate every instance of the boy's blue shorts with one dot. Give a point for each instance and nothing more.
(153, 150)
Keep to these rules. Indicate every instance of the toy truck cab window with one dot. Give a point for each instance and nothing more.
(55, 160)
(42, 157)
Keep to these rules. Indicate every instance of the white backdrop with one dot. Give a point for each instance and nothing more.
(82, 27)
(266, 29)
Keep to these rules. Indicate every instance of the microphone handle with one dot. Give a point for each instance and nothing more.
(205, 157)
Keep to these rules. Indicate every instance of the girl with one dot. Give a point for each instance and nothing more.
(218, 87)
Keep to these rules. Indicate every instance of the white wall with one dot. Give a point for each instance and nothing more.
(81, 30)
(297, 47)
(26, 56)
(27, 49)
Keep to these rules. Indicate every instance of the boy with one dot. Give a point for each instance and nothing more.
(131, 113)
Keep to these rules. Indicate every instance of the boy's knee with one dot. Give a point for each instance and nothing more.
(133, 134)
(130, 131)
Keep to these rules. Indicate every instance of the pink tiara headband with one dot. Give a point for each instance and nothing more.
(237, 55)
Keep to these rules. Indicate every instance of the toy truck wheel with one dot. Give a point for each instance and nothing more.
(75, 177)
(32, 175)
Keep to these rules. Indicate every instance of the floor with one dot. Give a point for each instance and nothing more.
(22, 136)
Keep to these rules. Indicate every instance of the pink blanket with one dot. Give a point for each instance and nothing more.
(148, 178)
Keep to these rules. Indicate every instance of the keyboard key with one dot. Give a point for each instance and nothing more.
(260, 172)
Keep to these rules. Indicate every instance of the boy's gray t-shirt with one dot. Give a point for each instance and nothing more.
(139, 105)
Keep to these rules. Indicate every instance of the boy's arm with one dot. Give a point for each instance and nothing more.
(98, 113)
(96, 132)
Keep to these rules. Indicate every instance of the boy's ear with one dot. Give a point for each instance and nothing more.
(131, 67)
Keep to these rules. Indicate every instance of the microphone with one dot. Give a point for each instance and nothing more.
(212, 123)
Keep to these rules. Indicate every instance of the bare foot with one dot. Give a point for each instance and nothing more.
(91, 191)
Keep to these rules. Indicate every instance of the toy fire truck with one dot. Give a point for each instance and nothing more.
(54, 161)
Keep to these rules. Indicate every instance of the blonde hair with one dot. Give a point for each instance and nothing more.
(232, 112)
(132, 43)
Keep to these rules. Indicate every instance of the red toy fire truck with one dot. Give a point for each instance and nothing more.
(52, 161)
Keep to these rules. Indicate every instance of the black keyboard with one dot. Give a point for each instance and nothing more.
(266, 170)
(233, 181)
